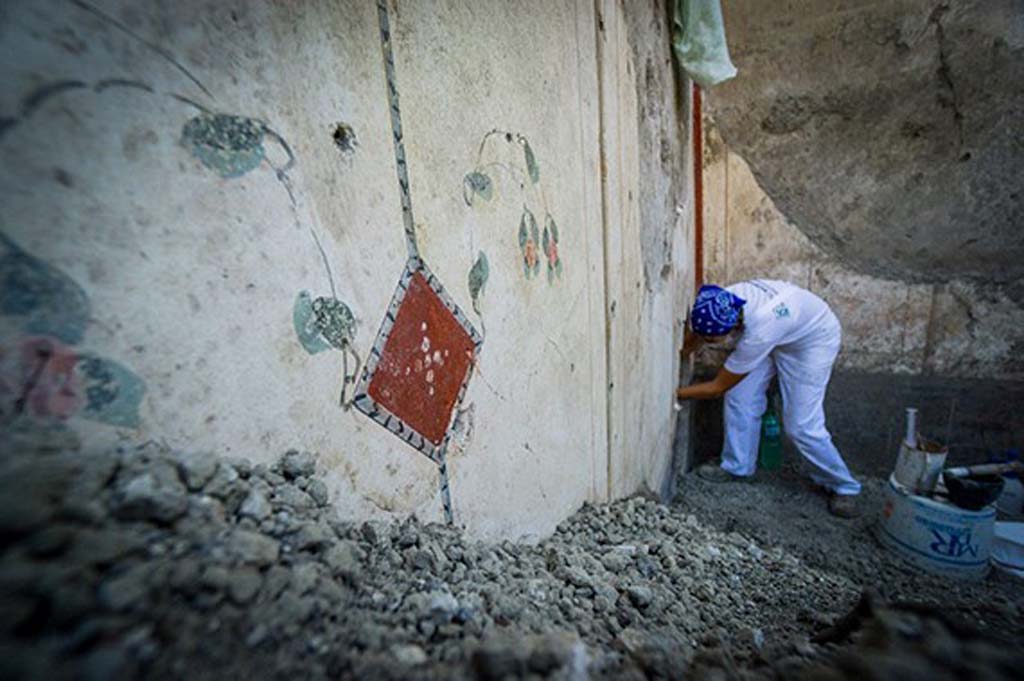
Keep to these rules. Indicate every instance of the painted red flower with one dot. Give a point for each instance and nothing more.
(552, 253)
(531, 254)
(37, 377)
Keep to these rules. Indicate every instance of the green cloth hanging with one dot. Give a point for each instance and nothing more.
(699, 42)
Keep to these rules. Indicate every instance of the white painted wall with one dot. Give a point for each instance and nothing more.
(191, 277)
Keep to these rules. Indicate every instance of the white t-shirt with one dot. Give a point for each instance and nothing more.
(777, 314)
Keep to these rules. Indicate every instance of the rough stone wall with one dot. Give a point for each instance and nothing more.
(949, 349)
(208, 219)
(956, 328)
(868, 153)
(886, 130)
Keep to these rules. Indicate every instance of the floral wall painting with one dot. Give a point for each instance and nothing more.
(44, 377)
(550, 244)
(476, 185)
(323, 323)
(231, 145)
(43, 299)
(476, 280)
(516, 165)
(529, 239)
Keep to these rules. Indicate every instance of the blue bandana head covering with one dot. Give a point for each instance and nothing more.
(715, 312)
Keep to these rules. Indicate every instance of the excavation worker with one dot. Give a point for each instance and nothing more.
(777, 327)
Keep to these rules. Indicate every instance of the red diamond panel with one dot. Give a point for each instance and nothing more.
(424, 362)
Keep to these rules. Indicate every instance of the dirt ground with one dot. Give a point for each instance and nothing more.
(785, 509)
(157, 564)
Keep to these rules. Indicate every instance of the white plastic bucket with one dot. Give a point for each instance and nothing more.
(918, 468)
(1011, 501)
(1008, 548)
(936, 535)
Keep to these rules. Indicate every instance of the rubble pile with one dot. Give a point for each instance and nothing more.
(158, 564)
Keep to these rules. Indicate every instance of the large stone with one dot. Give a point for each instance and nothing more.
(313, 536)
(640, 596)
(30, 490)
(616, 561)
(296, 464)
(661, 653)
(224, 482)
(344, 559)
(252, 548)
(255, 506)
(508, 656)
(127, 590)
(196, 468)
(409, 655)
(291, 496)
(318, 490)
(157, 495)
(243, 585)
(305, 577)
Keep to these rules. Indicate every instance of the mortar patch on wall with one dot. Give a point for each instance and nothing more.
(42, 375)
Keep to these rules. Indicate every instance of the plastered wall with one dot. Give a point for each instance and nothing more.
(213, 241)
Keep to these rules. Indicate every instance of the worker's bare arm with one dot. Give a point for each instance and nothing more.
(709, 390)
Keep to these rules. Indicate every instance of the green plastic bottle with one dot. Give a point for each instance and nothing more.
(771, 440)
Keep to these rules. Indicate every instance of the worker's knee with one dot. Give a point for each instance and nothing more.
(807, 434)
(745, 405)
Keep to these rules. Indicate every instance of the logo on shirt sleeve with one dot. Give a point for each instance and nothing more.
(781, 311)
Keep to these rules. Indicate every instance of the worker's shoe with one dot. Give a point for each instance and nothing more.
(715, 473)
(843, 505)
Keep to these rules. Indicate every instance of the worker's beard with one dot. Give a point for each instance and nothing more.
(729, 340)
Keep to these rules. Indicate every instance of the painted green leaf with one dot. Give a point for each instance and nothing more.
(547, 239)
(335, 321)
(478, 275)
(231, 145)
(112, 392)
(524, 233)
(305, 325)
(531, 162)
(535, 235)
(49, 302)
(476, 184)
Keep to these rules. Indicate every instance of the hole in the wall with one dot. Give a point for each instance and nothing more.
(63, 177)
(345, 138)
(965, 157)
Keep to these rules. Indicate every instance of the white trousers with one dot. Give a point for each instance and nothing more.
(803, 377)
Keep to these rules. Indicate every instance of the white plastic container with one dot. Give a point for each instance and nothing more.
(936, 535)
(1008, 548)
(918, 467)
(1011, 501)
